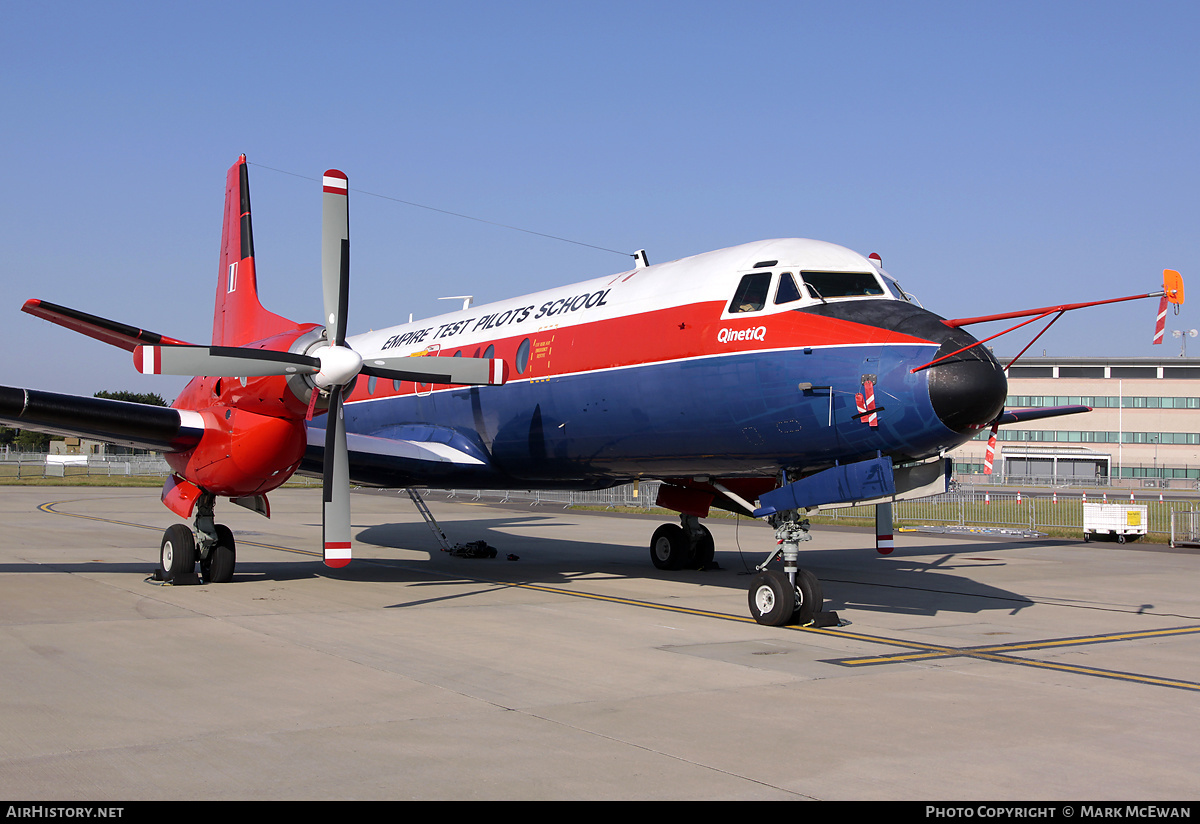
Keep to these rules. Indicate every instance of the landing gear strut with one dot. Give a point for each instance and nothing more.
(794, 595)
(209, 543)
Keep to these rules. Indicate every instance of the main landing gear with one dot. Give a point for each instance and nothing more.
(210, 543)
(776, 598)
(686, 546)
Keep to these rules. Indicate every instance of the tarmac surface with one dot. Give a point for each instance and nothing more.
(965, 668)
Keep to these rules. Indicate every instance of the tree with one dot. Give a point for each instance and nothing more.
(149, 398)
(24, 440)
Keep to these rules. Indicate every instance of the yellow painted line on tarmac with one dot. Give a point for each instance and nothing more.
(936, 651)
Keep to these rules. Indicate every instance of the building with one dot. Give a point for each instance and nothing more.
(1144, 430)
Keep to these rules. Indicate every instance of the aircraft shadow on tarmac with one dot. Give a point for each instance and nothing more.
(852, 579)
(905, 582)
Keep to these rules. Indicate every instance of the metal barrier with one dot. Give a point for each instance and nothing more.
(1185, 528)
(963, 507)
(35, 465)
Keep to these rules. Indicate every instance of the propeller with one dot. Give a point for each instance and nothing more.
(330, 368)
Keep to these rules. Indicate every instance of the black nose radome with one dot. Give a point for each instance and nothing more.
(967, 390)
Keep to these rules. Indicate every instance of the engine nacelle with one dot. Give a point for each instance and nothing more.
(242, 453)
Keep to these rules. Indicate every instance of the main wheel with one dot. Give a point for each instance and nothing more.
(669, 547)
(809, 597)
(218, 566)
(772, 598)
(177, 552)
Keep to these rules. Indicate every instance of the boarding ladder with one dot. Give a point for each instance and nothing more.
(419, 503)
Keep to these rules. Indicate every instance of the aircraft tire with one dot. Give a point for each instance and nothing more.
(218, 566)
(177, 552)
(809, 597)
(669, 547)
(772, 598)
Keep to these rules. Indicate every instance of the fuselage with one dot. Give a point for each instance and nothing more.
(737, 363)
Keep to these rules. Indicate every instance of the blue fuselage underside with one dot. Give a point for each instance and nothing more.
(733, 415)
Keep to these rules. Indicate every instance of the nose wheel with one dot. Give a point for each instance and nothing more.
(776, 601)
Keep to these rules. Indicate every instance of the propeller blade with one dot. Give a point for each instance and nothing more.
(221, 361)
(335, 254)
(458, 371)
(335, 519)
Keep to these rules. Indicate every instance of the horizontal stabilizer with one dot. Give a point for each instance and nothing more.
(110, 331)
(138, 425)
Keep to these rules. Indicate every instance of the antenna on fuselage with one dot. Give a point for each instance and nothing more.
(466, 299)
(639, 259)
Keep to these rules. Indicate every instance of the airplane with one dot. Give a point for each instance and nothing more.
(769, 379)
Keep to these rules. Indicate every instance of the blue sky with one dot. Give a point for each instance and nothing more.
(999, 156)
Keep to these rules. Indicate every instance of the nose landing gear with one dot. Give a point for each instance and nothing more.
(794, 595)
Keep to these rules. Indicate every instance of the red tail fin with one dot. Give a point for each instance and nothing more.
(238, 317)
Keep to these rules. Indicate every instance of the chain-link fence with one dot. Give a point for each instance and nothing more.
(963, 507)
(33, 465)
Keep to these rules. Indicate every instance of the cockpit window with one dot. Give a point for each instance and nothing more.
(751, 294)
(787, 291)
(896, 290)
(826, 285)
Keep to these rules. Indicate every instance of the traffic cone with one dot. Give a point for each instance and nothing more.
(987, 499)
(1054, 498)
(1018, 496)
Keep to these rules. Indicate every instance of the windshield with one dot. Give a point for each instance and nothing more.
(826, 285)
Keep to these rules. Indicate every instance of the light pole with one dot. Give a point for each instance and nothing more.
(1183, 335)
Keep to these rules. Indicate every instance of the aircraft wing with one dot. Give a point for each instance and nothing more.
(414, 455)
(102, 329)
(1023, 415)
(138, 425)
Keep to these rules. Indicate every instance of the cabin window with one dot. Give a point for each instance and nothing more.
(396, 384)
(788, 291)
(371, 386)
(826, 285)
(490, 352)
(751, 294)
(523, 357)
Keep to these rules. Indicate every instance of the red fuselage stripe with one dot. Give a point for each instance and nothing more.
(661, 335)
